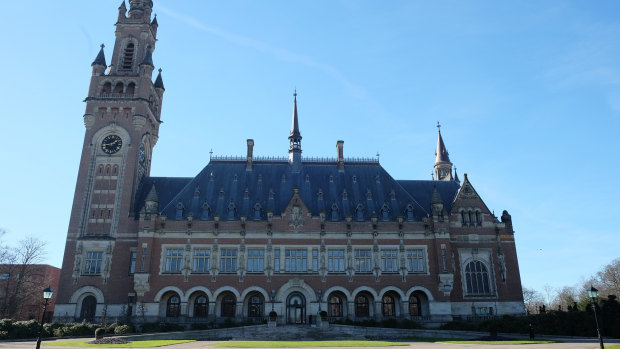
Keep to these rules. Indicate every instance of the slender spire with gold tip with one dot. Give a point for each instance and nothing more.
(443, 166)
(294, 150)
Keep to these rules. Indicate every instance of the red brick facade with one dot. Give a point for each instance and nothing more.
(138, 246)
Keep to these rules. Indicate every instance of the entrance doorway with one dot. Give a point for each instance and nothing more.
(296, 308)
(89, 306)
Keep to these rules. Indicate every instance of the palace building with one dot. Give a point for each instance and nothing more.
(250, 235)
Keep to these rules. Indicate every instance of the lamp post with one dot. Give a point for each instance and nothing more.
(593, 293)
(47, 295)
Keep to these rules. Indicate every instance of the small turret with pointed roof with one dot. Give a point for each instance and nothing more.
(159, 82)
(154, 24)
(122, 11)
(294, 150)
(456, 177)
(437, 205)
(151, 202)
(443, 166)
(99, 65)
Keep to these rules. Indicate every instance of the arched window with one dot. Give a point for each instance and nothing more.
(201, 307)
(228, 306)
(361, 306)
(414, 306)
(335, 306)
(478, 218)
(173, 306)
(119, 88)
(89, 306)
(385, 213)
(255, 306)
(409, 212)
(477, 278)
(115, 170)
(388, 306)
(107, 87)
(128, 56)
(131, 88)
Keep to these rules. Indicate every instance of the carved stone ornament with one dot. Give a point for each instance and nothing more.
(296, 221)
(446, 281)
(141, 283)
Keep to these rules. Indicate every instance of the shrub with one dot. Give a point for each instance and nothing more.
(122, 329)
(410, 324)
(99, 333)
(201, 326)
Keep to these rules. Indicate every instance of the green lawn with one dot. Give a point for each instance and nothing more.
(496, 342)
(471, 341)
(616, 346)
(134, 344)
(306, 344)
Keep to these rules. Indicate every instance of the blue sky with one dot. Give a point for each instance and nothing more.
(528, 94)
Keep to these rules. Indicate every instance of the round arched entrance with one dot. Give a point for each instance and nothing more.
(296, 308)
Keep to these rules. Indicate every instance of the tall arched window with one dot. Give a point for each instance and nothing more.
(255, 306)
(335, 306)
(128, 56)
(414, 306)
(173, 308)
(477, 278)
(118, 88)
(201, 307)
(388, 306)
(228, 306)
(361, 306)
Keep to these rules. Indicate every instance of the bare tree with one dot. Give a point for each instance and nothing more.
(532, 299)
(20, 281)
(609, 278)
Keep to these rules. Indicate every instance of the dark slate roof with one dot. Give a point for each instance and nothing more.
(441, 154)
(148, 57)
(423, 191)
(227, 189)
(159, 82)
(100, 59)
(166, 188)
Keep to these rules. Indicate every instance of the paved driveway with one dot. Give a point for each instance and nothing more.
(568, 344)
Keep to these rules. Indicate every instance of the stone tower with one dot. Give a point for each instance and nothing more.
(122, 119)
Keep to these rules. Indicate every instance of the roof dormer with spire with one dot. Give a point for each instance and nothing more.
(443, 166)
(294, 150)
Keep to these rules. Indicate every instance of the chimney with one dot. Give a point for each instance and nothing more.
(248, 166)
(340, 159)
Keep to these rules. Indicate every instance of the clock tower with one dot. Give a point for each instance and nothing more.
(122, 119)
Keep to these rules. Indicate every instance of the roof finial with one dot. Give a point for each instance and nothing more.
(102, 45)
(378, 155)
(438, 126)
(211, 154)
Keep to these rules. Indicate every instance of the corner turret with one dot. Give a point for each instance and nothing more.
(99, 65)
(443, 166)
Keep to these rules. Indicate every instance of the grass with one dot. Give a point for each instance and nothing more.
(134, 344)
(617, 346)
(497, 342)
(471, 341)
(306, 344)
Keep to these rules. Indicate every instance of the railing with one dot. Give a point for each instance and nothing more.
(114, 95)
(360, 160)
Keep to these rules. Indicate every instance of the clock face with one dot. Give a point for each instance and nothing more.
(111, 144)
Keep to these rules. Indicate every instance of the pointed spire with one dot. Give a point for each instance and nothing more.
(148, 57)
(456, 177)
(152, 195)
(295, 134)
(441, 154)
(100, 59)
(154, 21)
(159, 82)
(122, 7)
(436, 199)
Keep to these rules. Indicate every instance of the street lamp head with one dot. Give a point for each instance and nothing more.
(48, 293)
(593, 292)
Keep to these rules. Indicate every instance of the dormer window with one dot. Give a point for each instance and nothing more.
(385, 213)
(410, 213)
(334, 212)
(180, 208)
(359, 212)
(232, 209)
(257, 209)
